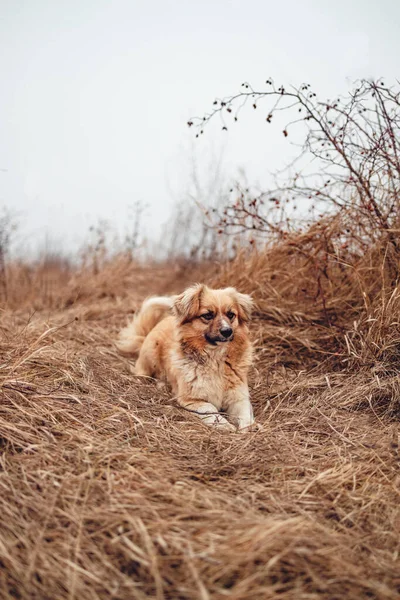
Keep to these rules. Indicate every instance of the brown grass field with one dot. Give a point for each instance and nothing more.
(109, 490)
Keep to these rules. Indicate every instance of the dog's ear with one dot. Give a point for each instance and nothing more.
(187, 305)
(244, 304)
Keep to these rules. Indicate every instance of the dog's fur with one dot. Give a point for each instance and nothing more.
(198, 342)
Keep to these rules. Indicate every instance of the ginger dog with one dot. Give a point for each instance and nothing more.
(198, 342)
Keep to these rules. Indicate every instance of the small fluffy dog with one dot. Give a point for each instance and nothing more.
(198, 342)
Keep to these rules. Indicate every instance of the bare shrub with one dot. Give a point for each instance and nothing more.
(348, 164)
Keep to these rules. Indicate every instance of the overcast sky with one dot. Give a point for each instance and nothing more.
(96, 94)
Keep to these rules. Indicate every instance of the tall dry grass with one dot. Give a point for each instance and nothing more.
(109, 490)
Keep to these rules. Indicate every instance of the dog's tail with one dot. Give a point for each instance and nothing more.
(152, 311)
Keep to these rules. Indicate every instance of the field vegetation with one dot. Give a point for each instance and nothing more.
(110, 490)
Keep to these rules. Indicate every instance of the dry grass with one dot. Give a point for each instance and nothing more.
(108, 490)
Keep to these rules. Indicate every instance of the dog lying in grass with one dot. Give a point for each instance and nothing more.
(198, 342)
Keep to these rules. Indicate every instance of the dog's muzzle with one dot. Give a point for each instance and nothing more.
(225, 335)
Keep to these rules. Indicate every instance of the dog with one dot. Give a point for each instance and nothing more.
(199, 343)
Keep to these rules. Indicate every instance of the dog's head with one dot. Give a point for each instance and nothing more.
(214, 315)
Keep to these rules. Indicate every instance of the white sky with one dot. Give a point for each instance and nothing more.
(96, 94)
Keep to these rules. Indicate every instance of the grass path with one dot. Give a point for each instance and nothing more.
(108, 490)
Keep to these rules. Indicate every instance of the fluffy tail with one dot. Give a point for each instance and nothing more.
(151, 312)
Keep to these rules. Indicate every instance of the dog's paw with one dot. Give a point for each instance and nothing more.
(225, 426)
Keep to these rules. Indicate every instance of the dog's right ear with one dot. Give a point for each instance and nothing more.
(187, 305)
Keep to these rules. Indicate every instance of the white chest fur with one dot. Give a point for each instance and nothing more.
(204, 381)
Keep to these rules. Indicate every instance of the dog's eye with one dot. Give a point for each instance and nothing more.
(231, 315)
(208, 316)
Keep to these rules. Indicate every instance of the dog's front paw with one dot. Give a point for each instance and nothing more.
(217, 421)
(225, 426)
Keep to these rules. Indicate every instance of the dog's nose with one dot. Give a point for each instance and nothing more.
(226, 332)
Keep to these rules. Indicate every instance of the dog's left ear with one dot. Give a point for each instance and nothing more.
(244, 303)
(187, 305)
